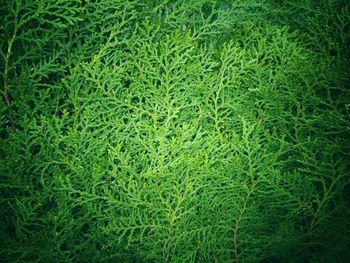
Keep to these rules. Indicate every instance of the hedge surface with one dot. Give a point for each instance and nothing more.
(174, 131)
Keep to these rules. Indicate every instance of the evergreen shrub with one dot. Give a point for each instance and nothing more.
(174, 131)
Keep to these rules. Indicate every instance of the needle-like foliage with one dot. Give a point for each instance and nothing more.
(174, 131)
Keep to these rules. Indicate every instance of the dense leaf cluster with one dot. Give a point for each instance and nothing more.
(174, 131)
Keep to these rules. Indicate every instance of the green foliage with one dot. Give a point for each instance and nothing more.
(174, 131)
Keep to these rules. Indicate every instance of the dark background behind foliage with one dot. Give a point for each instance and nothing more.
(174, 131)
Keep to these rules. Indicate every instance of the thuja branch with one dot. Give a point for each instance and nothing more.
(5, 91)
(327, 195)
(238, 223)
(17, 24)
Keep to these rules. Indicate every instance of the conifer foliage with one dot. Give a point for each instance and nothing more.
(174, 131)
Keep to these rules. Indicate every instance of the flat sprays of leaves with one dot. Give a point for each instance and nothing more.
(182, 131)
